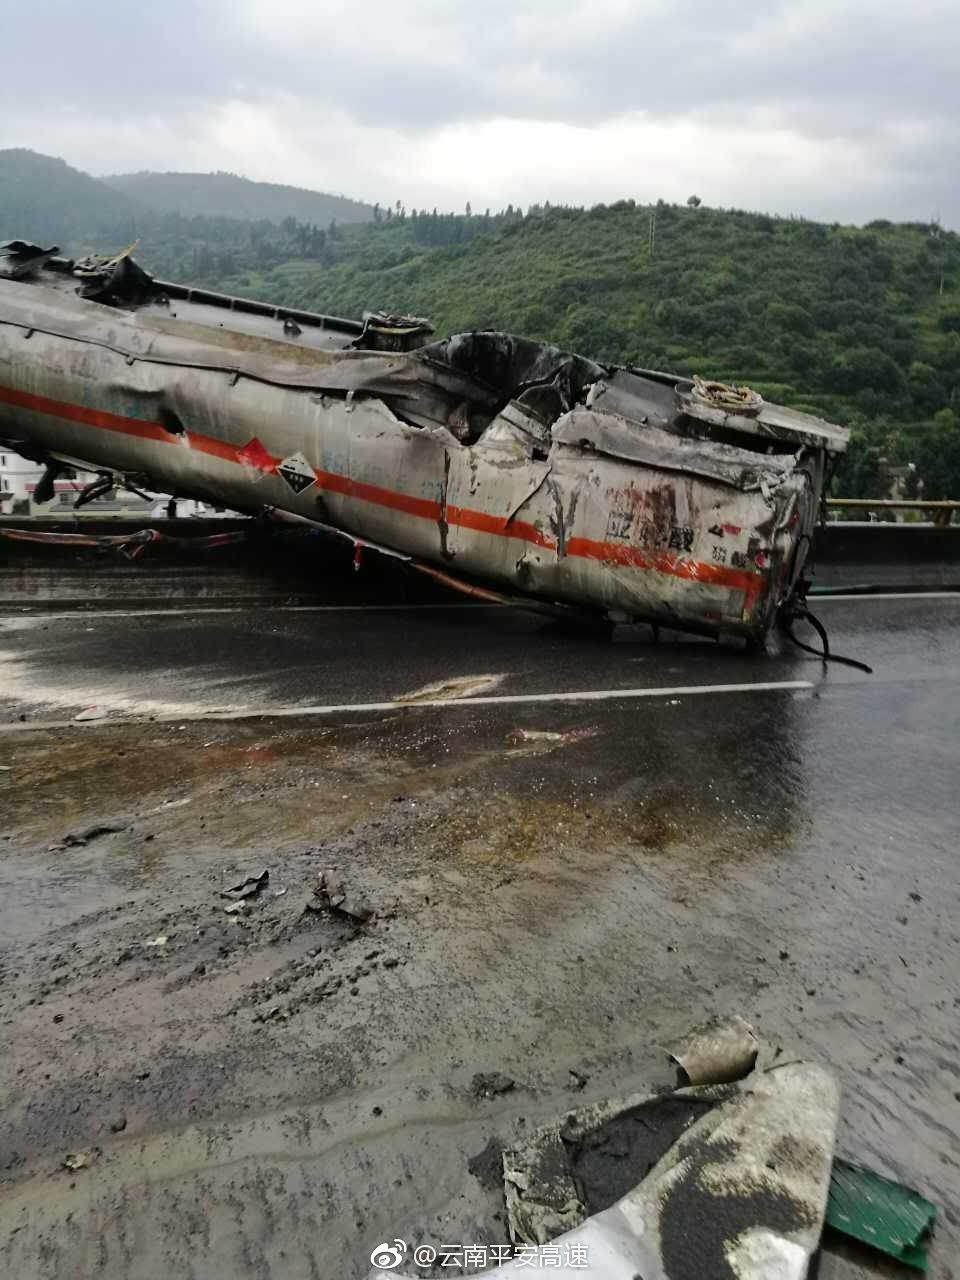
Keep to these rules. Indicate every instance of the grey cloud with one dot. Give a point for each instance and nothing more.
(879, 77)
(685, 58)
(103, 55)
(107, 53)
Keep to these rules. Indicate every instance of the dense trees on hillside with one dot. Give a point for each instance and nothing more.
(210, 250)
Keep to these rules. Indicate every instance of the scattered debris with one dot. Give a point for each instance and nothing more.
(329, 896)
(248, 888)
(92, 713)
(526, 742)
(167, 804)
(891, 1218)
(76, 1160)
(118, 1125)
(489, 1084)
(717, 1053)
(743, 400)
(159, 941)
(487, 1165)
(578, 1081)
(559, 1175)
(237, 908)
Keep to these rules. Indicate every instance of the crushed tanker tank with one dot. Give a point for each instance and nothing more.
(494, 462)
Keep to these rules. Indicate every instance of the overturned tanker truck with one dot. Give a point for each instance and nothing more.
(493, 462)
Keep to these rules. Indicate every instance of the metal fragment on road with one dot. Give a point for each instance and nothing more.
(491, 1084)
(525, 742)
(77, 839)
(487, 461)
(247, 888)
(167, 805)
(453, 687)
(717, 1053)
(329, 896)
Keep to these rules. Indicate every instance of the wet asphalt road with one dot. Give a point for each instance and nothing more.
(268, 660)
(571, 904)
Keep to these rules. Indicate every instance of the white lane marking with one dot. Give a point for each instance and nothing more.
(879, 598)
(254, 606)
(516, 699)
(193, 611)
(495, 700)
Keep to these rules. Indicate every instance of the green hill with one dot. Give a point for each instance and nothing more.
(225, 195)
(45, 200)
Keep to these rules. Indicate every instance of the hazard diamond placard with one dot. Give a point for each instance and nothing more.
(297, 472)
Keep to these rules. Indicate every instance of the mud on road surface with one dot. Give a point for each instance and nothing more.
(557, 893)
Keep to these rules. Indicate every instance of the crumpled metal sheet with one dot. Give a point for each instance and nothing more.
(717, 1053)
(654, 447)
(740, 1194)
(774, 421)
(129, 544)
(19, 258)
(745, 1189)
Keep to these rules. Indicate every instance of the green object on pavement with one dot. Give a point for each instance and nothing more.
(881, 1213)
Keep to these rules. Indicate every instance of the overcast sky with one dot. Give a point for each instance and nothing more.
(837, 109)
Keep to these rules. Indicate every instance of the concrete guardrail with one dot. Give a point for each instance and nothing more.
(292, 565)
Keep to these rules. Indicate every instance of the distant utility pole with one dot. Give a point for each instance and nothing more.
(652, 233)
(935, 229)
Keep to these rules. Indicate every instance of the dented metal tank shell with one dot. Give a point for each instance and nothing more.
(496, 459)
